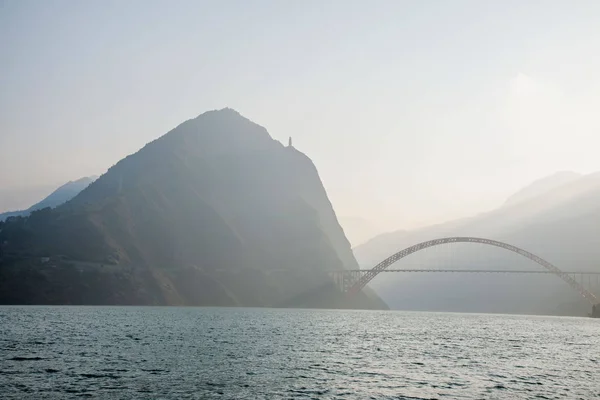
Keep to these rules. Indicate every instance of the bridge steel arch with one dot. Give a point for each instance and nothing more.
(370, 274)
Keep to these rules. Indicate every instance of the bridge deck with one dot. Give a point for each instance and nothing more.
(482, 271)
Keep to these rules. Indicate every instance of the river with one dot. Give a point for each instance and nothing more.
(237, 353)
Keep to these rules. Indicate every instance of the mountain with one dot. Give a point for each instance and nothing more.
(358, 230)
(64, 193)
(16, 198)
(543, 186)
(215, 212)
(560, 225)
(61, 195)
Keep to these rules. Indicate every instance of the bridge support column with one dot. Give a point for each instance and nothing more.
(595, 311)
(345, 279)
(349, 280)
(338, 280)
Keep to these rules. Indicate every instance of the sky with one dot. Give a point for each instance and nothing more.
(414, 112)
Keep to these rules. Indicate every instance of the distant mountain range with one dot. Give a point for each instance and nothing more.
(557, 218)
(215, 212)
(358, 230)
(543, 186)
(61, 195)
(20, 197)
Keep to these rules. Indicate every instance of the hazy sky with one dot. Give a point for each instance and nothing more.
(413, 111)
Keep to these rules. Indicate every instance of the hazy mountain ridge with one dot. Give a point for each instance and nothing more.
(59, 196)
(560, 225)
(358, 230)
(21, 197)
(542, 186)
(215, 212)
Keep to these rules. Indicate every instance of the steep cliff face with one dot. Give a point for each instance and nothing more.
(216, 210)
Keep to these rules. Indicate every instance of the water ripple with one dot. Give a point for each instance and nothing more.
(205, 353)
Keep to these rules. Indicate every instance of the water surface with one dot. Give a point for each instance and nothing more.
(229, 353)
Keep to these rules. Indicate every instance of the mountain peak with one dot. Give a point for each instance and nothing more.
(202, 216)
(227, 111)
(226, 123)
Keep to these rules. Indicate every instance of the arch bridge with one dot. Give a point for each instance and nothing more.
(353, 282)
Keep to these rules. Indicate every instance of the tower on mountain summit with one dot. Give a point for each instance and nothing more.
(290, 142)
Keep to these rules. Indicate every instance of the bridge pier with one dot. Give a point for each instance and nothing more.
(595, 311)
(345, 279)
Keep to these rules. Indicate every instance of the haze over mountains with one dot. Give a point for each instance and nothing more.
(215, 212)
(557, 218)
(18, 198)
(358, 230)
(543, 186)
(59, 196)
